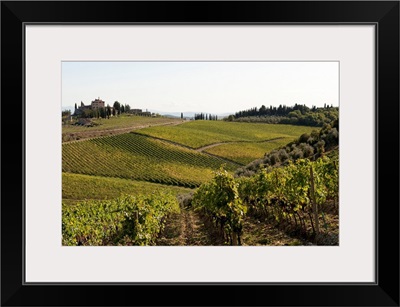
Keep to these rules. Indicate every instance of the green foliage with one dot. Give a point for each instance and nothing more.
(77, 187)
(284, 193)
(117, 108)
(128, 220)
(309, 146)
(87, 113)
(295, 115)
(219, 198)
(327, 175)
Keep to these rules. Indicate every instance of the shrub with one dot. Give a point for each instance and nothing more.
(274, 158)
(307, 150)
(296, 154)
(304, 138)
(320, 147)
(283, 155)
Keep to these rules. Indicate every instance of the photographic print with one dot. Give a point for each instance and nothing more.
(207, 138)
(176, 153)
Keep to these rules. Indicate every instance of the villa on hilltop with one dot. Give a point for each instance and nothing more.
(96, 104)
(98, 108)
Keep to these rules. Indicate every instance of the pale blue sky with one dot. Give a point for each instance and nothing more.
(211, 87)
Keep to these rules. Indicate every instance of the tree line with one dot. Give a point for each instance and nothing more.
(202, 116)
(292, 115)
(281, 110)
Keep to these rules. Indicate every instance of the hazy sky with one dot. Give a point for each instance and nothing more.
(210, 87)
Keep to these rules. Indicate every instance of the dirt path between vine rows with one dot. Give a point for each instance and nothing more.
(188, 228)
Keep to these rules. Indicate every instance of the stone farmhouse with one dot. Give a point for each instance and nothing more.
(96, 104)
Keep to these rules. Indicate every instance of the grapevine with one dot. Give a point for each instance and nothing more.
(127, 220)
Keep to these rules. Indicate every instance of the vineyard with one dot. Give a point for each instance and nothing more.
(127, 220)
(199, 133)
(133, 156)
(176, 185)
(77, 188)
(298, 196)
(246, 152)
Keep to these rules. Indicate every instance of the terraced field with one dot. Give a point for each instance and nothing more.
(138, 157)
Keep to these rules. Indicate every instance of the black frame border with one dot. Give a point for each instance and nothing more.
(16, 14)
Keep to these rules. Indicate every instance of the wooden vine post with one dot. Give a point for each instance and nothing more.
(335, 201)
(234, 238)
(314, 205)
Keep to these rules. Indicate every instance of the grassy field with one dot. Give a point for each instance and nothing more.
(139, 157)
(243, 152)
(77, 188)
(200, 133)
